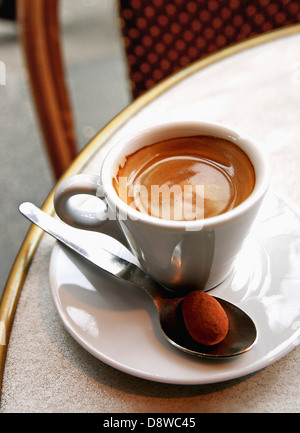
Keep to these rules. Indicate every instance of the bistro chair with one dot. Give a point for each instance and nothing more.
(159, 38)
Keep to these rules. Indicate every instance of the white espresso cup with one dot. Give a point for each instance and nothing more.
(180, 255)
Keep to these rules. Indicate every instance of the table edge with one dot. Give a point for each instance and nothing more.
(20, 268)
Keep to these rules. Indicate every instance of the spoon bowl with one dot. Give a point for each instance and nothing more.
(241, 334)
(240, 338)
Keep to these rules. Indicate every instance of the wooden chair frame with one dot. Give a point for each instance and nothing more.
(39, 36)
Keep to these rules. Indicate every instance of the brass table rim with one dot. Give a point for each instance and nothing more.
(20, 268)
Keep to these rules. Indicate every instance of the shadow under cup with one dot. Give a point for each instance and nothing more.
(185, 255)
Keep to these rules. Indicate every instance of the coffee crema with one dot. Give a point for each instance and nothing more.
(186, 178)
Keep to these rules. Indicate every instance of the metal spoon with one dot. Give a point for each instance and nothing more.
(242, 331)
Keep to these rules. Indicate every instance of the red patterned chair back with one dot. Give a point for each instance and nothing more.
(161, 36)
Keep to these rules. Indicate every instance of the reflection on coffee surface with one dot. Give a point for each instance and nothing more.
(186, 178)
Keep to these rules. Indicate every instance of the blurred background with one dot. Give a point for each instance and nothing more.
(93, 55)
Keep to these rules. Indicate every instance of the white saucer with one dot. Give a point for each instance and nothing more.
(118, 323)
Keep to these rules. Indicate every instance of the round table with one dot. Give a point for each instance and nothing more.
(253, 87)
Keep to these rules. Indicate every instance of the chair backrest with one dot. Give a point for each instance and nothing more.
(160, 36)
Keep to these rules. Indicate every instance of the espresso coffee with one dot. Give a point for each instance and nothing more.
(186, 178)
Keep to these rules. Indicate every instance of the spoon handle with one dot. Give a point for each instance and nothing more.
(80, 242)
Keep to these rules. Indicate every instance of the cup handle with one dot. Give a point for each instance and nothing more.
(72, 215)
